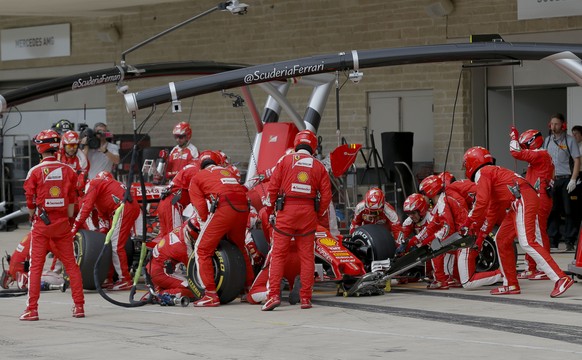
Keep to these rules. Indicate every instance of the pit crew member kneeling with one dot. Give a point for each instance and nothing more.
(174, 248)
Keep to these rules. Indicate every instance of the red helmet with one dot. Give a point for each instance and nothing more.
(474, 159)
(416, 202)
(431, 186)
(46, 140)
(209, 157)
(223, 158)
(305, 139)
(374, 199)
(531, 139)
(447, 178)
(104, 175)
(191, 228)
(235, 172)
(70, 138)
(183, 128)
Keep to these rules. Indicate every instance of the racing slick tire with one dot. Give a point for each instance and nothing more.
(377, 244)
(229, 273)
(259, 238)
(87, 246)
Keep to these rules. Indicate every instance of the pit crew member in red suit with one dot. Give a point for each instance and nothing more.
(17, 268)
(375, 210)
(176, 197)
(499, 186)
(50, 197)
(107, 195)
(174, 248)
(447, 215)
(228, 217)
(416, 207)
(540, 173)
(183, 153)
(464, 192)
(301, 183)
(259, 290)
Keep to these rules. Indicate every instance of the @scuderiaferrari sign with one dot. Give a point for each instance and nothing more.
(35, 42)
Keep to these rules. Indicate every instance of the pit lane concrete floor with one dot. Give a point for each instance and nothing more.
(408, 323)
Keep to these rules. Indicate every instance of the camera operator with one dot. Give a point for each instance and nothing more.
(103, 155)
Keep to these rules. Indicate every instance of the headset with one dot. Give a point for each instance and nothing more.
(564, 123)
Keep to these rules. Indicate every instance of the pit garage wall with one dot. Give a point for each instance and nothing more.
(279, 30)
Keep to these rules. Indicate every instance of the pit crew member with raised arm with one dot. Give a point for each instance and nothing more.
(499, 186)
(540, 173)
(107, 195)
(50, 197)
(228, 215)
(301, 191)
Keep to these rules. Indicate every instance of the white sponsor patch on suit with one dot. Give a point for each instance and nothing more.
(305, 162)
(19, 248)
(54, 202)
(301, 188)
(174, 239)
(56, 174)
(229, 181)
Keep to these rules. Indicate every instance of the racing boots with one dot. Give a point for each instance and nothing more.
(122, 285)
(306, 304)
(210, 299)
(438, 285)
(29, 315)
(78, 311)
(506, 290)
(538, 275)
(561, 286)
(272, 303)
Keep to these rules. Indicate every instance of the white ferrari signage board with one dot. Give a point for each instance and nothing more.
(35, 42)
(539, 9)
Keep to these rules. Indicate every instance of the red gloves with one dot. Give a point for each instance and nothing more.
(468, 228)
(479, 242)
(513, 133)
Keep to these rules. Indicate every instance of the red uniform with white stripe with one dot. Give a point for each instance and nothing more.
(300, 177)
(106, 195)
(229, 219)
(50, 185)
(258, 292)
(521, 220)
(387, 217)
(171, 207)
(463, 191)
(447, 216)
(540, 170)
(173, 248)
(179, 158)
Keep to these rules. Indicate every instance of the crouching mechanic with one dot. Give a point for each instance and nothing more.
(174, 248)
(228, 215)
(499, 186)
(301, 189)
(447, 215)
(50, 197)
(107, 195)
(375, 210)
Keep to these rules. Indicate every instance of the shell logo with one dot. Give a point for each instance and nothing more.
(161, 243)
(54, 191)
(328, 242)
(225, 172)
(302, 177)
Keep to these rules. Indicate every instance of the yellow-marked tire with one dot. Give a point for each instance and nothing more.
(88, 245)
(229, 273)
